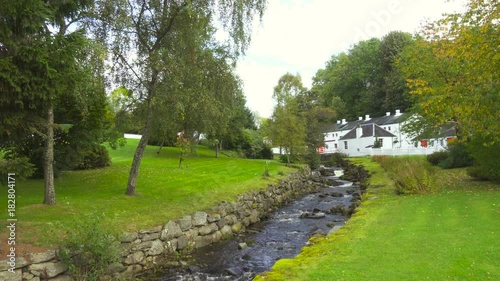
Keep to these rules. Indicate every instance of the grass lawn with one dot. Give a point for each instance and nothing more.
(449, 235)
(164, 192)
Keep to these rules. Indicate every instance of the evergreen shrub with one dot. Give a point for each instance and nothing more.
(96, 157)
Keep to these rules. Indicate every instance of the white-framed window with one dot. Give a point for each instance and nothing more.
(345, 144)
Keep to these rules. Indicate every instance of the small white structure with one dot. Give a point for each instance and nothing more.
(132, 136)
(380, 136)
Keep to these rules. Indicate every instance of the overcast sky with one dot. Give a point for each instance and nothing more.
(300, 36)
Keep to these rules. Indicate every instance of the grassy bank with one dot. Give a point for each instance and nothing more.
(447, 235)
(163, 192)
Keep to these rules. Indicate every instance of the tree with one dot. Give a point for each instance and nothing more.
(316, 116)
(41, 67)
(352, 83)
(160, 33)
(287, 126)
(453, 72)
(396, 92)
(241, 118)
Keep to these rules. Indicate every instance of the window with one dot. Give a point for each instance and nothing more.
(381, 142)
(336, 146)
(389, 128)
(345, 144)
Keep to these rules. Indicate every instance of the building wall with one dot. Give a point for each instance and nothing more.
(404, 145)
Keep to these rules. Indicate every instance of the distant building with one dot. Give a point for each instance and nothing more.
(380, 136)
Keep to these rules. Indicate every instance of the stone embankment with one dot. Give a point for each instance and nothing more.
(144, 249)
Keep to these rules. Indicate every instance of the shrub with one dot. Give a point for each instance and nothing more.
(312, 158)
(253, 145)
(437, 157)
(32, 147)
(486, 159)
(266, 173)
(88, 249)
(411, 175)
(458, 157)
(266, 153)
(97, 157)
(21, 167)
(338, 159)
(293, 158)
(284, 158)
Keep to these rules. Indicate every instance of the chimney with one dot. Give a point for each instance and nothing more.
(367, 117)
(360, 118)
(359, 131)
(388, 113)
(398, 112)
(338, 121)
(343, 121)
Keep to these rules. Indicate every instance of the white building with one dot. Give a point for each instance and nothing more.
(380, 136)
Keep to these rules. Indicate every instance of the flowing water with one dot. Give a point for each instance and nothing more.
(282, 235)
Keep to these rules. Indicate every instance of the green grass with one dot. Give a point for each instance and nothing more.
(164, 192)
(448, 235)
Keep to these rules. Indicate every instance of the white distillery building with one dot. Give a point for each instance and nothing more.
(380, 136)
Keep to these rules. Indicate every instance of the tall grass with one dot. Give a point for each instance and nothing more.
(411, 175)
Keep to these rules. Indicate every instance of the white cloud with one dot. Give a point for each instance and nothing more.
(300, 36)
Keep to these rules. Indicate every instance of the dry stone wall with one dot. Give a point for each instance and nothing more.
(144, 249)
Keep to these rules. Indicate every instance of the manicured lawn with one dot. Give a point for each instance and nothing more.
(449, 235)
(164, 192)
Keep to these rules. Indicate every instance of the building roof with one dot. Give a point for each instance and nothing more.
(368, 130)
(446, 130)
(381, 121)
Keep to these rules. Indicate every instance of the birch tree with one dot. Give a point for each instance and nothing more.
(150, 38)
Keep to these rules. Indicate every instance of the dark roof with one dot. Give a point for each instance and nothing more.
(384, 120)
(326, 128)
(449, 130)
(368, 130)
(446, 130)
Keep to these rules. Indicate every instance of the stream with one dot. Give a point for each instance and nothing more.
(281, 235)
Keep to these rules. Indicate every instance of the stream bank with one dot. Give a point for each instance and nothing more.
(282, 234)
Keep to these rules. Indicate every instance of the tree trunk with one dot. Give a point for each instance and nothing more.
(216, 149)
(48, 167)
(288, 152)
(139, 152)
(162, 143)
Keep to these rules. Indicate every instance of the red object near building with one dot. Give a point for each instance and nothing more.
(423, 143)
